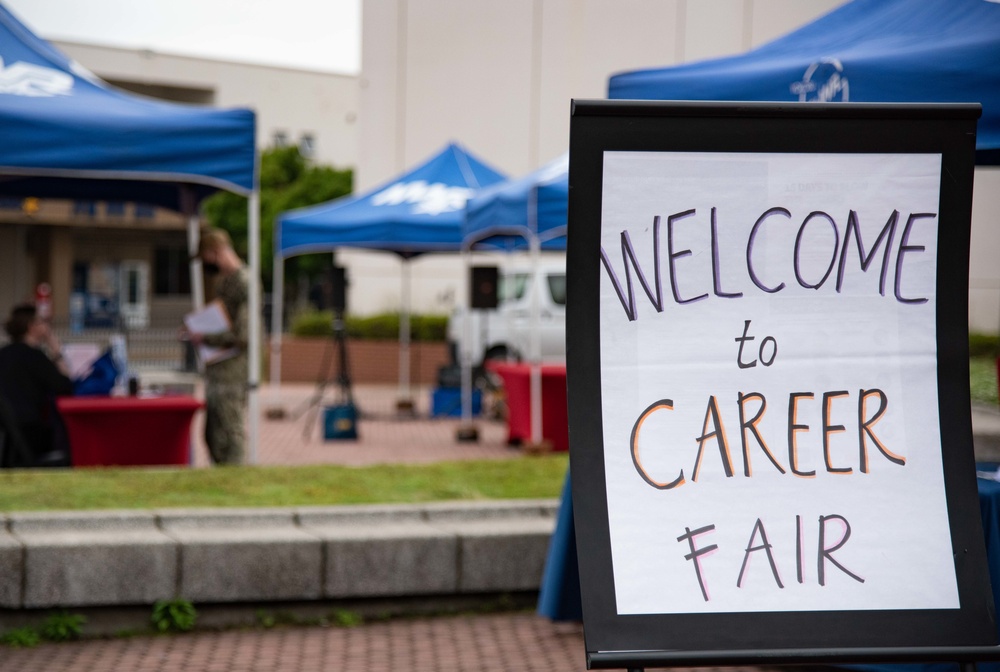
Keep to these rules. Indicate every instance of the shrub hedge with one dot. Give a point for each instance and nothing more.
(384, 326)
(984, 345)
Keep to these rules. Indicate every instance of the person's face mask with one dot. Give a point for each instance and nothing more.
(210, 268)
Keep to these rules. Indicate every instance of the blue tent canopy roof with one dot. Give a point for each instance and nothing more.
(62, 124)
(418, 211)
(507, 214)
(887, 51)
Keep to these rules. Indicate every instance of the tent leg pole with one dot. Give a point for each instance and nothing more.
(467, 432)
(253, 323)
(197, 290)
(277, 319)
(197, 285)
(537, 441)
(275, 409)
(404, 404)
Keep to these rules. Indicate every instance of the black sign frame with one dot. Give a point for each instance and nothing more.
(612, 640)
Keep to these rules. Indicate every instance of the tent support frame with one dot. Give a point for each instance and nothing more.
(404, 403)
(253, 322)
(277, 319)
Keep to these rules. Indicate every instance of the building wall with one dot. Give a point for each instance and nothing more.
(499, 77)
(288, 101)
(41, 243)
(16, 266)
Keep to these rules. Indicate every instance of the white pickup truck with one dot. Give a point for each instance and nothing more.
(506, 331)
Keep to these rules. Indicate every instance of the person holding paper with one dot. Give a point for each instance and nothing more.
(226, 370)
(32, 375)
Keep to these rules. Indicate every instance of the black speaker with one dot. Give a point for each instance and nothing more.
(338, 288)
(483, 287)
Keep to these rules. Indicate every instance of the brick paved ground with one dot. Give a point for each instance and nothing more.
(383, 435)
(512, 641)
(515, 641)
(494, 642)
(484, 643)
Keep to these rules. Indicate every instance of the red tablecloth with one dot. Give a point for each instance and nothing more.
(128, 430)
(517, 384)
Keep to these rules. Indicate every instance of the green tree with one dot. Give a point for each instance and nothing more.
(287, 181)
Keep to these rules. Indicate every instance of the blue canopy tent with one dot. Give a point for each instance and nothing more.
(67, 134)
(527, 212)
(419, 211)
(889, 51)
(510, 214)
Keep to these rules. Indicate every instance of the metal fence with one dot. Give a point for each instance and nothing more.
(148, 349)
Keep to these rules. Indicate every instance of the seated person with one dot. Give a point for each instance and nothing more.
(32, 375)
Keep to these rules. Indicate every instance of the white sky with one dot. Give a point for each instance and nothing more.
(320, 35)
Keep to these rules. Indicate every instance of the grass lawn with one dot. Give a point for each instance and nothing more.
(146, 488)
(983, 379)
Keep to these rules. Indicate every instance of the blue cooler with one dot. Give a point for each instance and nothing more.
(447, 402)
(340, 422)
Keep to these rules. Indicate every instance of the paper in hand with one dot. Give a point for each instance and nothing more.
(212, 319)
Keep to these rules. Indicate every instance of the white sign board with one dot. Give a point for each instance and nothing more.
(767, 384)
(768, 381)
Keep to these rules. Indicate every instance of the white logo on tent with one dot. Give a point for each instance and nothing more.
(825, 80)
(556, 170)
(28, 79)
(427, 199)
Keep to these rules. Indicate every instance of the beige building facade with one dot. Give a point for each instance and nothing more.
(316, 110)
(104, 263)
(496, 77)
(108, 262)
(499, 77)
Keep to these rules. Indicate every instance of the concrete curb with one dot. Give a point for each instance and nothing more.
(233, 556)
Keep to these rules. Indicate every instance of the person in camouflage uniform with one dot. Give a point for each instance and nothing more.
(226, 380)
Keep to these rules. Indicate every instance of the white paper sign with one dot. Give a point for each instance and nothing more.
(769, 382)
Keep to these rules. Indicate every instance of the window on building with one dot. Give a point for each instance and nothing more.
(144, 210)
(307, 145)
(85, 208)
(132, 288)
(114, 208)
(171, 274)
(180, 94)
(280, 139)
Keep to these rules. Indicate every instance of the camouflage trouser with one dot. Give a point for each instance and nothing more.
(225, 409)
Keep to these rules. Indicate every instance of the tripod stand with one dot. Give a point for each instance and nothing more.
(344, 411)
